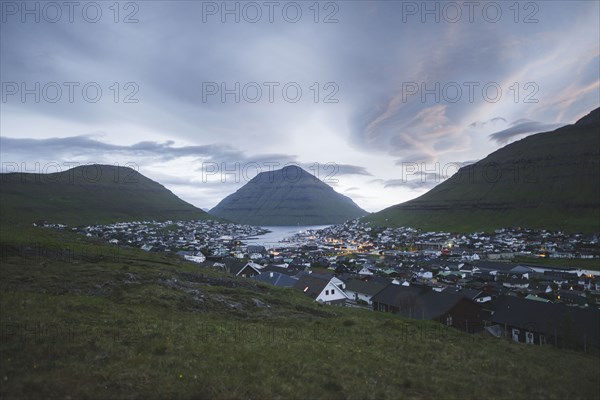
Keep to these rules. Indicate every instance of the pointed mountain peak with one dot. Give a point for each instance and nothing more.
(287, 174)
(287, 196)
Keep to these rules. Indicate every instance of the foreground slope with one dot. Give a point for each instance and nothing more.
(289, 196)
(549, 180)
(99, 323)
(88, 195)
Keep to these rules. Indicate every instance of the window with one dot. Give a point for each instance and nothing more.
(515, 335)
(332, 291)
(449, 320)
(529, 337)
(327, 293)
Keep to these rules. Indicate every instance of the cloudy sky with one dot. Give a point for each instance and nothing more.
(381, 99)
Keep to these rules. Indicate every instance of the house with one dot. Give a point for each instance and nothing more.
(244, 270)
(506, 255)
(402, 282)
(572, 297)
(146, 247)
(514, 282)
(321, 289)
(393, 298)
(467, 268)
(358, 289)
(589, 283)
(365, 271)
(276, 279)
(339, 268)
(537, 298)
(558, 277)
(522, 269)
(447, 307)
(280, 269)
(536, 322)
(540, 287)
(323, 275)
(471, 294)
(194, 256)
(427, 275)
(450, 277)
(197, 258)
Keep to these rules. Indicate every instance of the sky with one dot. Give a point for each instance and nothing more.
(380, 99)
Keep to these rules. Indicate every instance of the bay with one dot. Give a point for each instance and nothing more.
(278, 233)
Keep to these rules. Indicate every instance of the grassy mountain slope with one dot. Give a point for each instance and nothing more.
(127, 324)
(89, 195)
(289, 196)
(549, 180)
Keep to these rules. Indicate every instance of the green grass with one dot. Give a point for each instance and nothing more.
(144, 325)
(468, 221)
(97, 194)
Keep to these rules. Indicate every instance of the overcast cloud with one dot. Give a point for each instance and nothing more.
(522, 127)
(380, 88)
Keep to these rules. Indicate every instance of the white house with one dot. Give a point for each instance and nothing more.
(198, 258)
(365, 271)
(321, 289)
(254, 265)
(337, 282)
(357, 289)
(425, 274)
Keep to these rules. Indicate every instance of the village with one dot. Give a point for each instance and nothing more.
(476, 282)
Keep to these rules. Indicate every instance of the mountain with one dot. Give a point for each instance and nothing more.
(88, 195)
(289, 196)
(549, 180)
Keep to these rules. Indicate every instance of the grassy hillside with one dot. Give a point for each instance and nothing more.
(103, 323)
(289, 196)
(549, 180)
(89, 195)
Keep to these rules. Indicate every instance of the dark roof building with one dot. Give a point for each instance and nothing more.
(449, 308)
(276, 279)
(280, 270)
(311, 285)
(359, 287)
(470, 294)
(394, 298)
(244, 270)
(537, 322)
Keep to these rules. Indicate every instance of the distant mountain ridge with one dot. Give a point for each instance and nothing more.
(89, 194)
(288, 196)
(548, 180)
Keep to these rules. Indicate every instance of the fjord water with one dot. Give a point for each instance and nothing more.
(277, 233)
